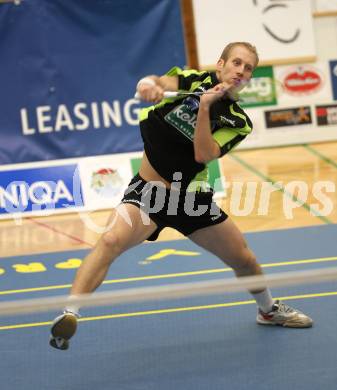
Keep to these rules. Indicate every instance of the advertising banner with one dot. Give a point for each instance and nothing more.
(309, 82)
(40, 189)
(83, 184)
(261, 90)
(326, 115)
(69, 69)
(283, 31)
(293, 116)
(333, 75)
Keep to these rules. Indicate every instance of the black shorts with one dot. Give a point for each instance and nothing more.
(182, 210)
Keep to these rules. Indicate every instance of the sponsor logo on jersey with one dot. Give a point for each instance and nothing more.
(183, 119)
(225, 120)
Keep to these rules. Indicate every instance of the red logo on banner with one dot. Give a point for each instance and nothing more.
(302, 81)
(106, 182)
(321, 111)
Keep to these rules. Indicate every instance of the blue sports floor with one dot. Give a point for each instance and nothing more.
(198, 343)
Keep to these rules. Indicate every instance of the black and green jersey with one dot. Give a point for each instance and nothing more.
(167, 128)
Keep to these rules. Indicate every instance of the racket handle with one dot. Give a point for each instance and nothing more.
(167, 94)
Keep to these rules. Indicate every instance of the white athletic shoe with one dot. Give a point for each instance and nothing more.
(63, 328)
(284, 315)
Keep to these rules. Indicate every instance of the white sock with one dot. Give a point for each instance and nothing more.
(72, 308)
(264, 300)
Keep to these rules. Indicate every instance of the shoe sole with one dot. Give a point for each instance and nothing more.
(287, 324)
(62, 330)
(59, 343)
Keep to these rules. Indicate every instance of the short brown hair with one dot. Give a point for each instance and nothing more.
(227, 50)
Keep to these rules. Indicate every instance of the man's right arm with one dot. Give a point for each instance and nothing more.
(151, 88)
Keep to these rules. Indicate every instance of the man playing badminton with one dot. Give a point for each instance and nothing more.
(181, 135)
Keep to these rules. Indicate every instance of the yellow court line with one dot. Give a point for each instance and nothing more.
(172, 310)
(173, 275)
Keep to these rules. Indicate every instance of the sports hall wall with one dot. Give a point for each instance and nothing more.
(68, 70)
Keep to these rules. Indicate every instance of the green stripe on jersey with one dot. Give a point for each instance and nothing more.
(175, 71)
(224, 136)
(244, 130)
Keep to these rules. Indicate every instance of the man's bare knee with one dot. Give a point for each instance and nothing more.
(112, 242)
(246, 263)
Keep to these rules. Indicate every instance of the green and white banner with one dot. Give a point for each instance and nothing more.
(261, 90)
